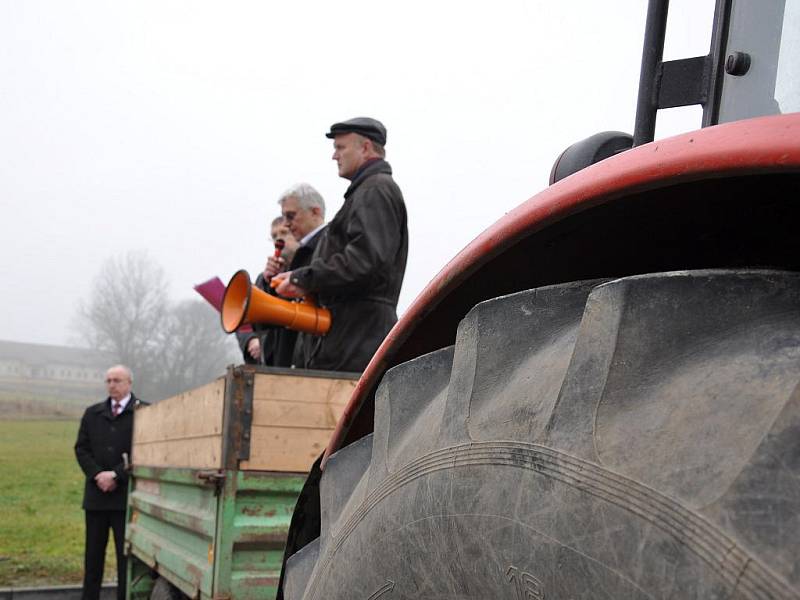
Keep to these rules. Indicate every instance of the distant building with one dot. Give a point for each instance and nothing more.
(53, 374)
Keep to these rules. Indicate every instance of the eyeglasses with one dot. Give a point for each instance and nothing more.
(115, 380)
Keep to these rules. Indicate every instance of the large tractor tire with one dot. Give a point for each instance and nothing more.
(636, 438)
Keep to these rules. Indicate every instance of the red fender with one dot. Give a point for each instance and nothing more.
(762, 145)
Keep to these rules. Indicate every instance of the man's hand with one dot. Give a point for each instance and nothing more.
(106, 481)
(254, 348)
(274, 266)
(284, 286)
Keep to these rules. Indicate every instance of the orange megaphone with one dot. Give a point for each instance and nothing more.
(244, 303)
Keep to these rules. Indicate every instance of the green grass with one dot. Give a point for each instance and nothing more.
(41, 520)
(16, 404)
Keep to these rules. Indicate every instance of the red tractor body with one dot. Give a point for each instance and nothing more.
(713, 162)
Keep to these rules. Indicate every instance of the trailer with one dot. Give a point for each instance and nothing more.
(215, 475)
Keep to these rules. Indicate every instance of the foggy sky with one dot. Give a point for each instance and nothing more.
(173, 127)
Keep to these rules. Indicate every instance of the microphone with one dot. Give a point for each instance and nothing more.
(279, 245)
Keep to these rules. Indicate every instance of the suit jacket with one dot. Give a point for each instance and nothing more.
(357, 271)
(102, 439)
(277, 343)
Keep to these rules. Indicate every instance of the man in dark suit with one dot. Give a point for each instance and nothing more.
(303, 210)
(103, 445)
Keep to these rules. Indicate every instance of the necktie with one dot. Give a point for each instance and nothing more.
(116, 408)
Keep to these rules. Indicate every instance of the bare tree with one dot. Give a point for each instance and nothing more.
(125, 313)
(195, 350)
(129, 316)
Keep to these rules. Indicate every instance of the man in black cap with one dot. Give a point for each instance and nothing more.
(358, 266)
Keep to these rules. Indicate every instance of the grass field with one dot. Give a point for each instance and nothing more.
(41, 521)
(16, 404)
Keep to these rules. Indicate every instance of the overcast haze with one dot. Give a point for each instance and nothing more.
(173, 127)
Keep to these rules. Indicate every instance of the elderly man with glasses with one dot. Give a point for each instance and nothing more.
(303, 213)
(104, 443)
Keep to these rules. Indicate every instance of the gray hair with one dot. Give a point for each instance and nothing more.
(376, 147)
(307, 197)
(124, 368)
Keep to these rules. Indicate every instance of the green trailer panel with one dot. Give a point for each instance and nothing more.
(212, 534)
(172, 526)
(259, 514)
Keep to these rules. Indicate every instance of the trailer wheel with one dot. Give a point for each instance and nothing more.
(636, 438)
(164, 590)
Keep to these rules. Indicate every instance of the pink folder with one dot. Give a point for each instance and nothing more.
(213, 290)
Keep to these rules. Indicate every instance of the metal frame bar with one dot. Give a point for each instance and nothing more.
(238, 416)
(717, 55)
(652, 54)
(684, 82)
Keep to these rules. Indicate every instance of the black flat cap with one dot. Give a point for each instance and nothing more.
(369, 128)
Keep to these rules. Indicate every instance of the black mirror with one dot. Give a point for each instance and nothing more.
(589, 151)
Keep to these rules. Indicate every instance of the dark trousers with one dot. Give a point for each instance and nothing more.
(98, 522)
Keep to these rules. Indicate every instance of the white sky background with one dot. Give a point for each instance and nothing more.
(174, 126)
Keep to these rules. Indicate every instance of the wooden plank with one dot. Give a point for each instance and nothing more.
(293, 417)
(279, 413)
(190, 453)
(296, 388)
(282, 449)
(182, 431)
(195, 413)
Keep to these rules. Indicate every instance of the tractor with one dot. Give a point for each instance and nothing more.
(599, 397)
